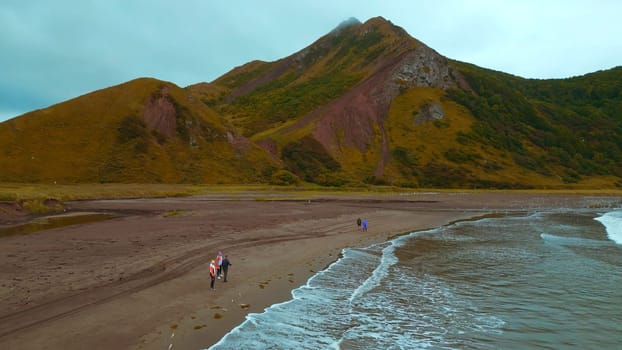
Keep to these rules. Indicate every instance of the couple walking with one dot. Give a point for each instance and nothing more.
(362, 223)
(219, 267)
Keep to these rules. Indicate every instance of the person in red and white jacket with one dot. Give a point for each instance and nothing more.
(212, 273)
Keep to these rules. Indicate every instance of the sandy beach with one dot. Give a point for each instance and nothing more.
(140, 280)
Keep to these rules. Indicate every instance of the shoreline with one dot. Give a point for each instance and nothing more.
(140, 281)
(275, 288)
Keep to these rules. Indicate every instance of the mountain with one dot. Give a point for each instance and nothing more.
(366, 103)
(145, 130)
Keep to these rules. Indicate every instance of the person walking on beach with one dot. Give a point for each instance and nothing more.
(225, 267)
(364, 225)
(212, 273)
(218, 264)
(358, 223)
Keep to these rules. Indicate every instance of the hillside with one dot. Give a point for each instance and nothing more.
(364, 104)
(145, 130)
(566, 129)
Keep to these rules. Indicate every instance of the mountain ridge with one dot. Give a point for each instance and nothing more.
(364, 104)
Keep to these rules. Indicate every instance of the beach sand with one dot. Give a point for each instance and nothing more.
(140, 281)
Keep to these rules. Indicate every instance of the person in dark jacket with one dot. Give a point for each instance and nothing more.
(225, 267)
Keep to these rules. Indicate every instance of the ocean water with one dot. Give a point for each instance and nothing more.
(541, 280)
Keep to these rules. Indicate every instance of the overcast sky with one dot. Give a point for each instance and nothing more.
(54, 50)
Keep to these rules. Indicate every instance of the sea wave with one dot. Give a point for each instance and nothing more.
(572, 241)
(318, 313)
(387, 260)
(366, 299)
(613, 225)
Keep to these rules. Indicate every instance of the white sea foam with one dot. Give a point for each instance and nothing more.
(572, 241)
(387, 260)
(419, 312)
(366, 299)
(316, 316)
(613, 225)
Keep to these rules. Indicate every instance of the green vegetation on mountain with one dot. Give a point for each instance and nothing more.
(568, 128)
(309, 160)
(286, 98)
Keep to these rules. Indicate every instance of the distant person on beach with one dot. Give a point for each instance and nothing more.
(212, 273)
(218, 264)
(364, 224)
(358, 223)
(225, 267)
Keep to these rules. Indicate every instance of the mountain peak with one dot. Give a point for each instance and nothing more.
(378, 23)
(347, 23)
(383, 25)
(378, 20)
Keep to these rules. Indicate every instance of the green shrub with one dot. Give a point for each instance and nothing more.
(308, 159)
(331, 180)
(133, 132)
(404, 156)
(7, 196)
(461, 156)
(407, 160)
(441, 124)
(42, 206)
(373, 180)
(131, 128)
(283, 178)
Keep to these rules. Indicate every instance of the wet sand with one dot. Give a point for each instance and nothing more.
(141, 281)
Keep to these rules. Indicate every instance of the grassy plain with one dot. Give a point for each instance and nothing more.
(72, 192)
